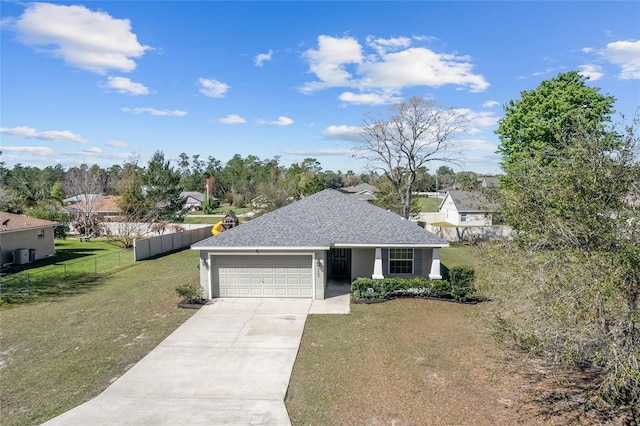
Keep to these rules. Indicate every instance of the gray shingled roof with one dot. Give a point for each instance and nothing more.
(466, 201)
(323, 220)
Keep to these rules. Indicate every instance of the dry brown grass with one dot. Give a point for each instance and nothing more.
(404, 362)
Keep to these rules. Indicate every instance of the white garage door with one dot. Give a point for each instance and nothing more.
(263, 276)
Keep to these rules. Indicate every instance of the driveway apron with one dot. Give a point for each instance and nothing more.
(230, 363)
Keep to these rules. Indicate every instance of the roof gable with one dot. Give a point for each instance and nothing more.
(19, 222)
(327, 218)
(466, 201)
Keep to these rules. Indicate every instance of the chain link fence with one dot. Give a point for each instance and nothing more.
(50, 279)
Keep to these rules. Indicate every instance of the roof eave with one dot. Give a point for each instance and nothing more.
(259, 248)
(391, 245)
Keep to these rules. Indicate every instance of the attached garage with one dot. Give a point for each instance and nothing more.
(262, 276)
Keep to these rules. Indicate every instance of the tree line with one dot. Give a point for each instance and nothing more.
(151, 192)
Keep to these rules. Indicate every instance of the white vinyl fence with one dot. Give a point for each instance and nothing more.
(153, 246)
(458, 234)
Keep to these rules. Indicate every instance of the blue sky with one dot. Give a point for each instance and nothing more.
(98, 82)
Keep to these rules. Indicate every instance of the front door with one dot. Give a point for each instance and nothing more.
(340, 262)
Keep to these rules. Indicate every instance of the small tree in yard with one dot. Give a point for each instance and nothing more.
(86, 184)
(573, 193)
(415, 133)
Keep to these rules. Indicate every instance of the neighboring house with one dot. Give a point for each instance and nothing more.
(193, 200)
(487, 181)
(80, 198)
(466, 208)
(103, 206)
(363, 191)
(24, 239)
(295, 250)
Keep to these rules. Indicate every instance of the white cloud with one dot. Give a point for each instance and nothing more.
(365, 98)
(490, 104)
(587, 49)
(282, 121)
(85, 39)
(213, 88)
(420, 66)
(346, 133)
(626, 54)
(156, 112)
(48, 135)
(92, 150)
(35, 150)
(594, 72)
(116, 144)
(383, 45)
(474, 145)
(263, 57)
(390, 66)
(232, 119)
(329, 60)
(126, 86)
(478, 119)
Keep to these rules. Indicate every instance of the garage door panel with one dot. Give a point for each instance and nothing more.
(263, 276)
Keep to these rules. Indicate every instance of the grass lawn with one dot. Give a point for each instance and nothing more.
(75, 265)
(66, 349)
(403, 362)
(429, 204)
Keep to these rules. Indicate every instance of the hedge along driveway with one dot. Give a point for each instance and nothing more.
(63, 351)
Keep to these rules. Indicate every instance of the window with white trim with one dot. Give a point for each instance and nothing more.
(40, 234)
(463, 217)
(401, 261)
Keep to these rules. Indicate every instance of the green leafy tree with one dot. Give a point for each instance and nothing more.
(51, 211)
(467, 181)
(572, 193)
(412, 134)
(162, 190)
(57, 192)
(535, 125)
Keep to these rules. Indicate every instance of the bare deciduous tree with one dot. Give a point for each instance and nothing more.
(415, 133)
(86, 184)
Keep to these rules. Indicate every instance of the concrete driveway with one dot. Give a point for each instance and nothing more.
(230, 364)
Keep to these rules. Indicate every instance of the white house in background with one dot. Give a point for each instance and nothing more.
(24, 239)
(293, 251)
(464, 208)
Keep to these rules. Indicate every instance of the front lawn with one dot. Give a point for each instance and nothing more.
(62, 351)
(404, 362)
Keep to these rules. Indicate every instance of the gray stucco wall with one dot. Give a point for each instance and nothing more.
(362, 260)
(27, 239)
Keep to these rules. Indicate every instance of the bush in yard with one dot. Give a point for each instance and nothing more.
(191, 292)
(369, 288)
(439, 288)
(462, 279)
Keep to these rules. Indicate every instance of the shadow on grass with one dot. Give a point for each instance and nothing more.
(55, 292)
